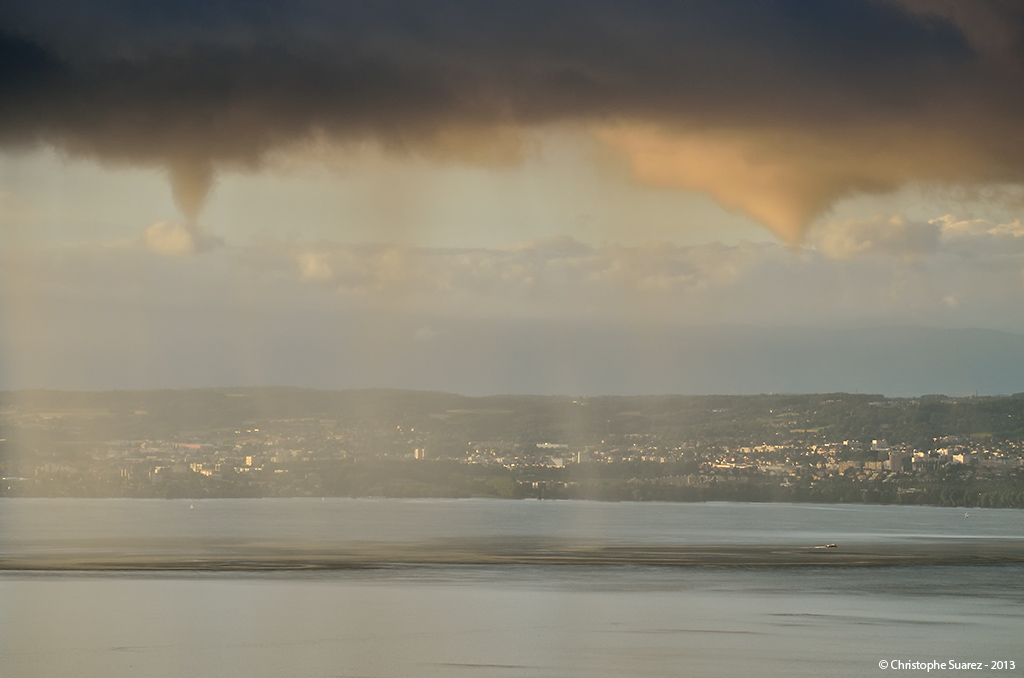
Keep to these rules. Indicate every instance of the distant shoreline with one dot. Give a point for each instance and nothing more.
(546, 553)
(486, 497)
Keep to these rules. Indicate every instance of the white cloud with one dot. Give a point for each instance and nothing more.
(315, 266)
(906, 276)
(168, 238)
(981, 232)
(175, 240)
(894, 236)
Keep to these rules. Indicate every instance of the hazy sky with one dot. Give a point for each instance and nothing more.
(601, 196)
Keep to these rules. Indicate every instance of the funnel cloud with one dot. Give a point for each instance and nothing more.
(191, 181)
(776, 109)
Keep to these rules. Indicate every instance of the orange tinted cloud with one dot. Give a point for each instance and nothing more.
(786, 178)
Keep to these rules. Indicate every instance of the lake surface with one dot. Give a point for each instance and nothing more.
(450, 619)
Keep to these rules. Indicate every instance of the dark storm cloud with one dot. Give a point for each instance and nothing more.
(194, 86)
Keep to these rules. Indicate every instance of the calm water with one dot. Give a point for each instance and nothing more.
(550, 621)
(58, 523)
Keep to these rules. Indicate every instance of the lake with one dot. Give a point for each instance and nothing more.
(471, 611)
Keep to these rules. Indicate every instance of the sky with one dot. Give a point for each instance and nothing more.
(559, 197)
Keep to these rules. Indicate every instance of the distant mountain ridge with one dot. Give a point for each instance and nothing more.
(483, 358)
